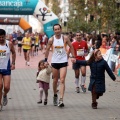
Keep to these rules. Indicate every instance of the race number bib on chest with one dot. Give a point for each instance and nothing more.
(36, 43)
(80, 52)
(19, 42)
(3, 54)
(27, 43)
(59, 49)
(33, 42)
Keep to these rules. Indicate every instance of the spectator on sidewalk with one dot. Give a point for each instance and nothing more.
(59, 61)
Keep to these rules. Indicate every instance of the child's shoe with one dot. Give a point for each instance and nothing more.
(45, 102)
(94, 105)
(39, 102)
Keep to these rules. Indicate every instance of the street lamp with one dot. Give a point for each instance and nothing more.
(86, 14)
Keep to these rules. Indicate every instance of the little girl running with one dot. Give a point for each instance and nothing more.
(43, 78)
(97, 78)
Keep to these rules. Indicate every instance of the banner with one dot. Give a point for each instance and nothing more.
(46, 17)
(31, 7)
(15, 21)
(9, 21)
(18, 7)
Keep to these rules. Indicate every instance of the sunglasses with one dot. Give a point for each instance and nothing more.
(78, 35)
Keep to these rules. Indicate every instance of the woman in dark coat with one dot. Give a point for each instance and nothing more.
(97, 78)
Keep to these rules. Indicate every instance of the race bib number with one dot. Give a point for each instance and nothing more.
(36, 43)
(19, 42)
(59, 49)
(33, 42)
(3, 55)
(27, 43)
(80, 52)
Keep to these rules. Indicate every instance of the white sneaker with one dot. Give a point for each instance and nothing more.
(28, 63)
(61, 104)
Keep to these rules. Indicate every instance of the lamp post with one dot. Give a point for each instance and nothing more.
(99, 16)
(86, 14)
(64, 14)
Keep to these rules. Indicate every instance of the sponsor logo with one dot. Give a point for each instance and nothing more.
(6, 20)
(9, 20)
(11, 3)
(49, 28)
(2, 51)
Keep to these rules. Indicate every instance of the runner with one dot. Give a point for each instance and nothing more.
(26, 42)
(33, 44)
(19, 39)
(36, 43)
(81, 50)
(6, 48)
(59, 61)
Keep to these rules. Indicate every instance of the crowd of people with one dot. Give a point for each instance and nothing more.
(83, 49)
(29, 43)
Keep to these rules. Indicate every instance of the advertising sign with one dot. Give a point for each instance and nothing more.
(31, 7)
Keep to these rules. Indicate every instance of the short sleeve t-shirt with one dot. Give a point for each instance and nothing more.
(79, 49)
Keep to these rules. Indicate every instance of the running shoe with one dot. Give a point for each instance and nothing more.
(60, 104)
(83, 88)
(1, 106)
(55, 100)
(77, 89)
(28, 63)
(5, 100)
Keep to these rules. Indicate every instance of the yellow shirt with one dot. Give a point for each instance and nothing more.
(37, 40)
(26, 43)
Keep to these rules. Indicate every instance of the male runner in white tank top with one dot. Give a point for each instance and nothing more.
(6, 48)
(59, 61)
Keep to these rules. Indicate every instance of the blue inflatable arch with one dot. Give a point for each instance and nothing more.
(31, 7)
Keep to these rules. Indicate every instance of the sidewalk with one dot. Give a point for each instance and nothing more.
(24, 94)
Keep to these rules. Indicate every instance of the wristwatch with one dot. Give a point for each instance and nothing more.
(13, 63)
(72, 56)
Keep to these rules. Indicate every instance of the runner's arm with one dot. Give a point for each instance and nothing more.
(23, 41)
(50, 42)
(12, 49)
(70, 45)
